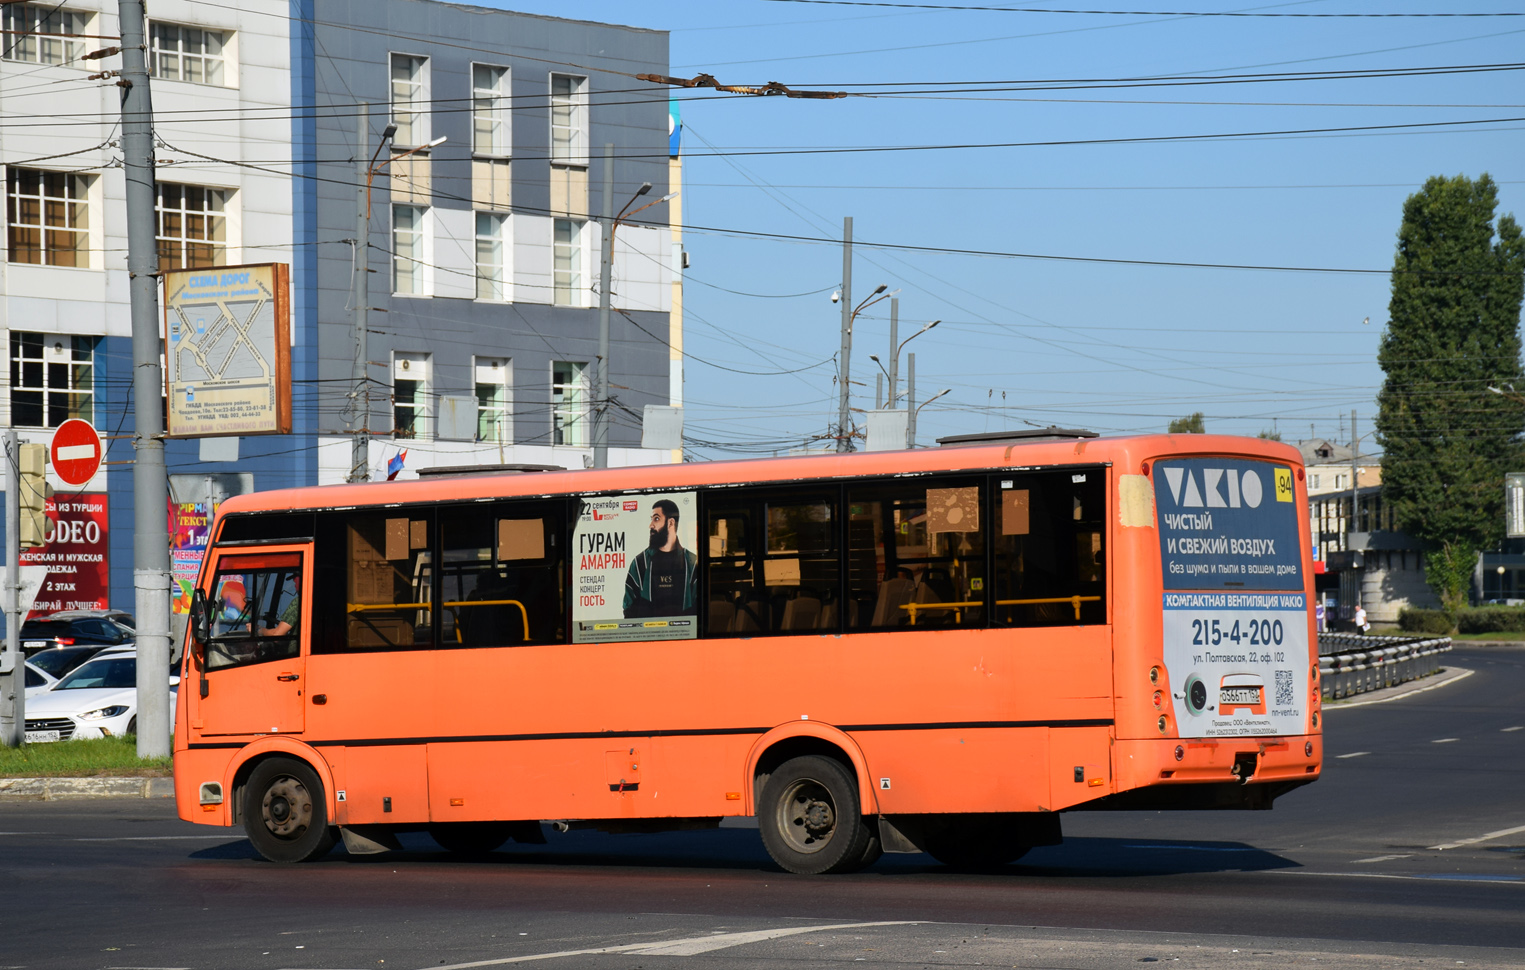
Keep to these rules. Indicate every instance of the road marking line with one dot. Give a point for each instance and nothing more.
(1517, 727)
(684, 947)
(1481, 838)
(161, 838)
(1195, 848)
(1444, 740)
(1462, 673)
(1353, 754)
(1491, 880)
(1386, 858)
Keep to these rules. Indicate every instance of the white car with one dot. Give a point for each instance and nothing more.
(97, 699)
(38, 681)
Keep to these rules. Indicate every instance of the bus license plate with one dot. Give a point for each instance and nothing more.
(34, 737)
(1239, 696)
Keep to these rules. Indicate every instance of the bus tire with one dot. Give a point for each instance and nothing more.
(286, 813)
(810, 818)
(976, 844)
(470, 839)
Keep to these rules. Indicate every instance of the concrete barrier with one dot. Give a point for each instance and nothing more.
(1351, 664)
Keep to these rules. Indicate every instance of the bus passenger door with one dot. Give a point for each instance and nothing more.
(250, 672)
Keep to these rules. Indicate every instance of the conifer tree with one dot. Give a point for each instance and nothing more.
(1453, 332)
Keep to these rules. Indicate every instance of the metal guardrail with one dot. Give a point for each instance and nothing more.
(1350, 663)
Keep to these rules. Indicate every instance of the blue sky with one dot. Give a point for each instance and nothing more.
(1114, 347)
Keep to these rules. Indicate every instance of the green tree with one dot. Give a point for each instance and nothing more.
(1270, 435)
(1191, 424)
(1453, 331)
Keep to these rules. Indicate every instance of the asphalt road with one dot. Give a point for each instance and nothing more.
(1343, 873)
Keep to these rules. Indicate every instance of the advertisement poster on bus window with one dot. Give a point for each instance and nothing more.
(1227, 524)
(635, 571)
(76, 555)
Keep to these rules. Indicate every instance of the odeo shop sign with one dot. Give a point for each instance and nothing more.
(75, 555)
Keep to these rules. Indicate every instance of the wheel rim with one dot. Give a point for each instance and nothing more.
(807, 816)
(287, 808)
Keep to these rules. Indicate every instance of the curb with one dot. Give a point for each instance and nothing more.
(55, 789)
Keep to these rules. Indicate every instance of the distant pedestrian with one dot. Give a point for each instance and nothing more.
(1361, 623)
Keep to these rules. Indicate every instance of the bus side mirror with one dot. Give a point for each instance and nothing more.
(201, 626)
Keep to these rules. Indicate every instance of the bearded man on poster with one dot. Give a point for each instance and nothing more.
(663, 578)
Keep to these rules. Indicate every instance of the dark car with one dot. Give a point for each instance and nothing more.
(46, 632)
(121, 617)
(58, 661)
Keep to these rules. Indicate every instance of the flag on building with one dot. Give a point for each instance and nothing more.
(394, 465)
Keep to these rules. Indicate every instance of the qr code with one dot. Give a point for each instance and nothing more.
(1283, 688)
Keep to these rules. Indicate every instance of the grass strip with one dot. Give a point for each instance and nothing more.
(117, 757)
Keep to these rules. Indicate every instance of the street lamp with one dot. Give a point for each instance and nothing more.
(360, 447)
(606, 271)
(844, 436)
(910, 430)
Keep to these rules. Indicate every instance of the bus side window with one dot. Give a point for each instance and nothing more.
(501, 575)
(772, 564)
(1048, 543)
(916, 555)
(728, 560)
(388, 582)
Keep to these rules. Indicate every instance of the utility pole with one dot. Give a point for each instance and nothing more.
(605, 273)
(844, 435)
(15, 683)
(910, 400)
(1355, 495)
(149, 483)
(360, 391)
(889, 402)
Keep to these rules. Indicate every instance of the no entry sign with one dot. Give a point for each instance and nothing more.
(76, 452)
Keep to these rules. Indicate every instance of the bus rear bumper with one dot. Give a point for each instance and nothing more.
(1169, 768)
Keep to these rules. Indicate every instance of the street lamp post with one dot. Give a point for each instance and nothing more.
(605, 282)
(360, 403)
(844, 436)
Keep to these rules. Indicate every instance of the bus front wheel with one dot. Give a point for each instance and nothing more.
(810, 819)
(285, 812)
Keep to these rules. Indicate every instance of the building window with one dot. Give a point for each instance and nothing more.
(566, 254)
(180, 53)
(52, 379)
(568, 119)
(492, 380)
(489, 110)
(192, 229)
(44, 35)
(48, 215)
(410, 395)
(410, 95)
(569, 403)
(490, 275)
(1313, 481)
(408, 249)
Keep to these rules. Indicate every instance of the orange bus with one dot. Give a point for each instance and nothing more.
(937, 650)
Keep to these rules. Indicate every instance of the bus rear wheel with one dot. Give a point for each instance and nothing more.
(285, 812)
(470, 838)
(810, 819)
(977, 844)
